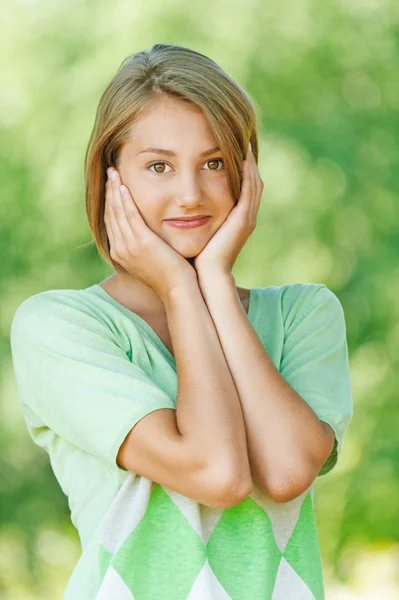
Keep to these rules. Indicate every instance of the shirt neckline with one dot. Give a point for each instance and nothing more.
(100, 291)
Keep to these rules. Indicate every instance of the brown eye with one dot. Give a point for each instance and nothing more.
(214, 161)
(159, 163)
(156, 165)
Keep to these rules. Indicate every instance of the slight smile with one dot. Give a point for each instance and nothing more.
(188, 224)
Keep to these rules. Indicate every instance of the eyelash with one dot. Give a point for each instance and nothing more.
(161, 162)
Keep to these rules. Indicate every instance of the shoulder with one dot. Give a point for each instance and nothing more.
(51, 309)
(297, 300)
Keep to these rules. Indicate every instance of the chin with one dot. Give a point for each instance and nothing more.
(190, 258)
(190, 250)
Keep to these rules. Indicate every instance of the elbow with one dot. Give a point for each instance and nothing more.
(234, 494)
(233, 491)
(287, 493)
(294, 483)
(243, 488)
(231, 484)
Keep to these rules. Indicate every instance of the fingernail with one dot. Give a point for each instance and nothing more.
(250, 146)
(114, 175)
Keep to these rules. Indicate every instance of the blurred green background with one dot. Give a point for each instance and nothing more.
(325, 76)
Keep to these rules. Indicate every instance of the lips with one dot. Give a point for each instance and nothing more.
(188, 223)
(193, 218)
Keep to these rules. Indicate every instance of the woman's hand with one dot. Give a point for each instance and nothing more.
(135, 246)
(223, 248)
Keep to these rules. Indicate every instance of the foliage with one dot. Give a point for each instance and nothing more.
(325, 78)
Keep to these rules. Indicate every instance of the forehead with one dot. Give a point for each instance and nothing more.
(171, 123)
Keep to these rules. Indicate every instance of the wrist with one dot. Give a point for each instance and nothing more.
(186, 282)
(215, 274)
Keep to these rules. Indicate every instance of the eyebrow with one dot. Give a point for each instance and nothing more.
(171, 153)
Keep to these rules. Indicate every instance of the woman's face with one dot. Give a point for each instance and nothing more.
(182, 184)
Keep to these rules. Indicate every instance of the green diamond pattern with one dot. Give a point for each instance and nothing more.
(104, 560)
(242, 552)
(163, 556)
(302, 545)
(156, 545)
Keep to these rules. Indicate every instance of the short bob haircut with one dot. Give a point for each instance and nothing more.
(144, 77)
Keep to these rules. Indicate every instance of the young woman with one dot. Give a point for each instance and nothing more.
(186, 419)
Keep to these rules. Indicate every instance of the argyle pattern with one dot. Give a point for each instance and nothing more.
(156, 543)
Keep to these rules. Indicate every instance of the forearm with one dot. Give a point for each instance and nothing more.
(208, 409)
(285, 437)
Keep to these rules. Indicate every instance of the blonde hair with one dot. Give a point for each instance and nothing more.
(144, 77)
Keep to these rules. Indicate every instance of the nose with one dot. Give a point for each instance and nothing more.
(189, 192)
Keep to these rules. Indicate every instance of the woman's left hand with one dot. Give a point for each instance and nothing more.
(223, 248)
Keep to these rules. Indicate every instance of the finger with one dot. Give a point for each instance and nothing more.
(119, 212)
(111, 225)
(132, 213)
(255, 200)
(245, 189)
(250, 159)
(125, 201)
(247, 179)
(252, 162)
(260, 186)
(258, 179)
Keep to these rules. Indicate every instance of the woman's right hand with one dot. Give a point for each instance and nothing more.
(133, 245)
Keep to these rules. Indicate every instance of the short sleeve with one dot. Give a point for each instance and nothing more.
(315, 358)
(74, 378)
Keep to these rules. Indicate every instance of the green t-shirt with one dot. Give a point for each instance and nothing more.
(87, 369)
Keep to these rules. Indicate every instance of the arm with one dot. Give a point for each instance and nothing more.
(209, 412)
(198, 448)
(287, 443)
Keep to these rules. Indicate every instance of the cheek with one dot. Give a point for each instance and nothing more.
(146, 189)
(139, 188)
(219, 185)
(224, 192)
